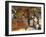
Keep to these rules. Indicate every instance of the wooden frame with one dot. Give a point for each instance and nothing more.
(7, 17)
